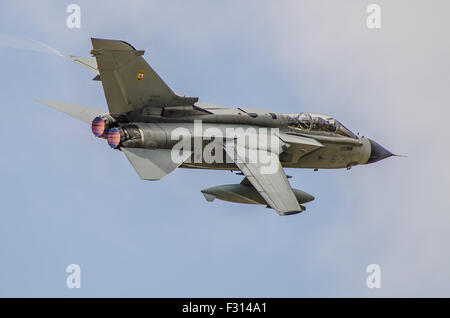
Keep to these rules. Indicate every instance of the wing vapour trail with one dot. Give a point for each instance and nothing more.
(85, 114)
(27, 44)
(89, 63)
(37, 46)
(49, 49)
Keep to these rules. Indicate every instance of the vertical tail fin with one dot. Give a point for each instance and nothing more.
(129, 83)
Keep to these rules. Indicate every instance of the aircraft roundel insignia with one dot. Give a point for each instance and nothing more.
(140, 75)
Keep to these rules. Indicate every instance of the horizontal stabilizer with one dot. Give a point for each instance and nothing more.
(153, 164)
(83, 113)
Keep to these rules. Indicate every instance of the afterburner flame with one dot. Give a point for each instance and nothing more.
(113, 137)
(98, 126)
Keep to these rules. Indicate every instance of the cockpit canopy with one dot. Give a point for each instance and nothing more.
(319, 123)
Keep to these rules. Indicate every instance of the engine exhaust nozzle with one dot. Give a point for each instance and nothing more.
(98, 126)
(113, 137)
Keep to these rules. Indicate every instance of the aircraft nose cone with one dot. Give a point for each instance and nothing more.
(378, 152)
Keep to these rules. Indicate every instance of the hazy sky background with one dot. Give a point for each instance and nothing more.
(67, 198)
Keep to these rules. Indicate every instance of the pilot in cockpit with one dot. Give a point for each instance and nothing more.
(317, 122)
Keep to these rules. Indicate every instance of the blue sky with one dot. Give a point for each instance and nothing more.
(67, 198)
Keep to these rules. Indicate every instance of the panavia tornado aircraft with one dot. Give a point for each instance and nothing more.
(159, 130)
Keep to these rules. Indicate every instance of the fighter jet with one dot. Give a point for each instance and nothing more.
(159, 130)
